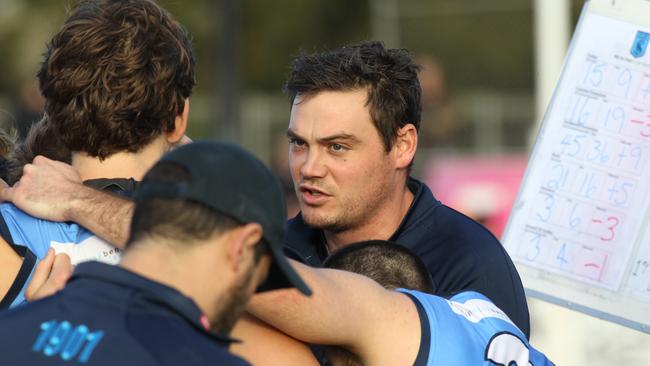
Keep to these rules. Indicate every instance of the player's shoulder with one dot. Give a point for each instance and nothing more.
(173, 341)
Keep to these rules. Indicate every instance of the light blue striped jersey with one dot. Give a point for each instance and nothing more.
(468, 329)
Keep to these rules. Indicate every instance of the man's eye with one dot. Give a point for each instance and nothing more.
(337, 147)
(296, 142)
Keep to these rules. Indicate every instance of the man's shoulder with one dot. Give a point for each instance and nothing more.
(173, 341)
(96, 315)
(428, 219)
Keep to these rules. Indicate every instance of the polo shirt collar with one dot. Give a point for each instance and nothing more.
(154, 292)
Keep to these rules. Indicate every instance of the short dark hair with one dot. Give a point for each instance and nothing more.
(179, 220)
(175, 219)
(43, 139)
(390, 76)
(388, 263)
(116, 76)
(9, 167)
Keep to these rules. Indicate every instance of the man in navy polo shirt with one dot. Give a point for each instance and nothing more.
(208, 224)
(353, 134)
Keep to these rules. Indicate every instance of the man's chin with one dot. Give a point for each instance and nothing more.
(322, 222)
(317, 221)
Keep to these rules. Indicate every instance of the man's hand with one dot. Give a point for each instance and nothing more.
(47, 189)
(50, 276)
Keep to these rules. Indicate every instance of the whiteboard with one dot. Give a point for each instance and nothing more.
(579, 231)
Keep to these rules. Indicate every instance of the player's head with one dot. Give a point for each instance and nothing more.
(389, 264)
(117, 75)
(216, 195)
(9, 168)
(352, 131)
(389, 77)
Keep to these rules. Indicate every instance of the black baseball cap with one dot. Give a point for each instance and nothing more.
(232, 181)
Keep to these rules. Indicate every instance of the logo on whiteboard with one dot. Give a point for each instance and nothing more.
(640, 44)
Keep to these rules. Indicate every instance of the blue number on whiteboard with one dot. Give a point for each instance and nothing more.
(594, 74)
(588, 188)
(578, 114)
(616, 116)
(598, 152)
(574, 220)
(571, 144)
(646, 90)
(624, 81)
(561, 255)
(619, 194)
(549, 201)
(533, 252)
(559, 176)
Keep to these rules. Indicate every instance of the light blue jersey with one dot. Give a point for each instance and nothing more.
(468, 329)
(37, 236)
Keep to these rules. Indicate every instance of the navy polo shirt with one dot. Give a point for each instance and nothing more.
(460, 253)
(107, 315)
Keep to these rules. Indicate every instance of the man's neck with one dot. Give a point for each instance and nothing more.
(382, 225)
(121, 164)
(152, 261)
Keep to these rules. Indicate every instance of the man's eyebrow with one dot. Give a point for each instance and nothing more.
(345, 137)
(292, 135)
(336, 137)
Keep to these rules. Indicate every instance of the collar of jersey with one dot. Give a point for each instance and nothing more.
(152, 291)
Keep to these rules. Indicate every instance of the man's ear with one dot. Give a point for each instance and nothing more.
(241, 242)
(406, 143)
(180, 124)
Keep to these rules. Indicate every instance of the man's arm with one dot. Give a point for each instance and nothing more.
(265, 345)
(53, 190)
(348, 310)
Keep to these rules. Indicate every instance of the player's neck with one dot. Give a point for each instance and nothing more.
(121, 164)
(183, 270)
(383, 223)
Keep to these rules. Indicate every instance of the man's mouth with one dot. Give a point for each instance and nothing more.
(313, 196)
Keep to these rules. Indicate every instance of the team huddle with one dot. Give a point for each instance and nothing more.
(181, 250)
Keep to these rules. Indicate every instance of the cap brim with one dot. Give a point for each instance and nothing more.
(282, 275)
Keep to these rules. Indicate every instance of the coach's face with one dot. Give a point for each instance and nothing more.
(341, 171)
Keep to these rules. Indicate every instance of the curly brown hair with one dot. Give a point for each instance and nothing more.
(116, 75)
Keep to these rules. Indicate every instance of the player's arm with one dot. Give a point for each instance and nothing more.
(53, 191)
(348, 310)
(264, 345)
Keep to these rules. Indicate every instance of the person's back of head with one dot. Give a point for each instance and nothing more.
(9, 167)
(177, 221)
(387, 263)
(389, 75)
(189, 200)
(116, 76)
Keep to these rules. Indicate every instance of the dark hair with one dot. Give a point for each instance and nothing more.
(178, 220)
(389, 264)
(389, 75)
(10, 170)
(116, 75)
(41, 139)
